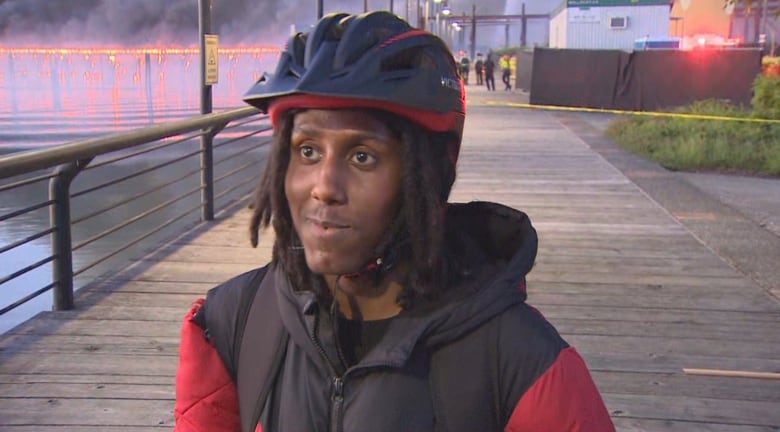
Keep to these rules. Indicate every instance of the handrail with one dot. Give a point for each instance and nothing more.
(32, 160)
(235, 155)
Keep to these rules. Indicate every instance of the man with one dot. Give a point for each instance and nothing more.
(465, 65)
(478, 68)
(490, 79)
(385, 308)
(506, 72)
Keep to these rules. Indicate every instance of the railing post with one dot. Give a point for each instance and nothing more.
(61, 243)
(207, 139)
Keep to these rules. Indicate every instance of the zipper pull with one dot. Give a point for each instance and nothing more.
(338, 389)
(337, 405)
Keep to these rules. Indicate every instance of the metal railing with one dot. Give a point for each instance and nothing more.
(137, 184)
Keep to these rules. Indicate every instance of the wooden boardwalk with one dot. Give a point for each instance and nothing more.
(637, 294)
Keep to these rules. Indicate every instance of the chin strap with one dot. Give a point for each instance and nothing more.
(377, 267)
(381, 265)
(371, 266)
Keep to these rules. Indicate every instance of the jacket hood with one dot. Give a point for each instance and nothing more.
(491, 246)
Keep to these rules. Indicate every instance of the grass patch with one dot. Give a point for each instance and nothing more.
(709, 145)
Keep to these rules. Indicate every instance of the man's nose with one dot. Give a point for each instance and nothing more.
(330, 181)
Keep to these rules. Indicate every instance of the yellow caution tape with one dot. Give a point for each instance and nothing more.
(638, 113)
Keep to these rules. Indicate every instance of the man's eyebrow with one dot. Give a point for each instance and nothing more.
(355, 135)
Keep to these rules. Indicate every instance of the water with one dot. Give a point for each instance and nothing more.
(49, 97)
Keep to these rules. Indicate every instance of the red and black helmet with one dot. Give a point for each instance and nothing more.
(372, 60)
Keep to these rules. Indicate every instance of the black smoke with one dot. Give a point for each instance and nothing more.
(146, 22)
(175, 22)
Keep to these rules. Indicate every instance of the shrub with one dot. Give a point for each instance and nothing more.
(766, 96)
(694, 144)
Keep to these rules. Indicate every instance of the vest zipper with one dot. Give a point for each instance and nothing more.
(337, 404)
(337, 393)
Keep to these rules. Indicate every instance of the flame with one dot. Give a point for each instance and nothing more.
(114, 51)
(122, 81)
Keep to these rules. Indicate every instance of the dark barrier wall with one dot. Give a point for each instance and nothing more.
(642, 80)
(525, 62)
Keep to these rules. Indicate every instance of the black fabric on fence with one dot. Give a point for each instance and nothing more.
(525, 62)
(642, 80)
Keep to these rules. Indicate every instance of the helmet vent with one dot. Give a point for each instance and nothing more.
(410, 58)
(298, 48)
(360, 46)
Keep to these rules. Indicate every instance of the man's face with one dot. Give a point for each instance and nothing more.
(343, 187)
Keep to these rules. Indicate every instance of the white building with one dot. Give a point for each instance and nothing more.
(608, 24)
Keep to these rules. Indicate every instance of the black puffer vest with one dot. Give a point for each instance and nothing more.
(459, 365)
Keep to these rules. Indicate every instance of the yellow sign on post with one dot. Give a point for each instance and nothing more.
(212, 59)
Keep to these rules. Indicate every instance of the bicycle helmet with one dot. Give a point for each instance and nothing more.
(372, 60)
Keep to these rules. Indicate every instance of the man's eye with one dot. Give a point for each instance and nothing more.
(307, 152)
(363, 158)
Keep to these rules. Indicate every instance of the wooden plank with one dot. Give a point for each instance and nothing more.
(629, 268)
(143, 286)
(715, 331)
(97, 390)
(186, 272)
(579, 256)
(110, 364)
(563, 248)
(625, 424)
(90, 343)
(645, 314)
(646, 279)
(662, 345)
(44, 326)
(702, 410)
(745, 304)
(169, 314)
(87, 412)
(637, 289)
(219, 254)
(664, 385)
(83, 428)
(180, 300)
(600, 358)
(84, 378)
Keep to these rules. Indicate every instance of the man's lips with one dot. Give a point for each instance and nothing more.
(327, 224)
(326, 230)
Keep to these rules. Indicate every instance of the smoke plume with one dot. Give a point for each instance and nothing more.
(175, 22)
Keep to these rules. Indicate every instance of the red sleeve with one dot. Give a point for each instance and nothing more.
(563, 399)
(206, 399)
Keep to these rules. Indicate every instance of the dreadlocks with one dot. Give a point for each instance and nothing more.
(417, 232)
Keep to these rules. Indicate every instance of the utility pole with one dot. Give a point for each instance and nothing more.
(523, 25)
(206, 140)
(763, 19)
(473, 39)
